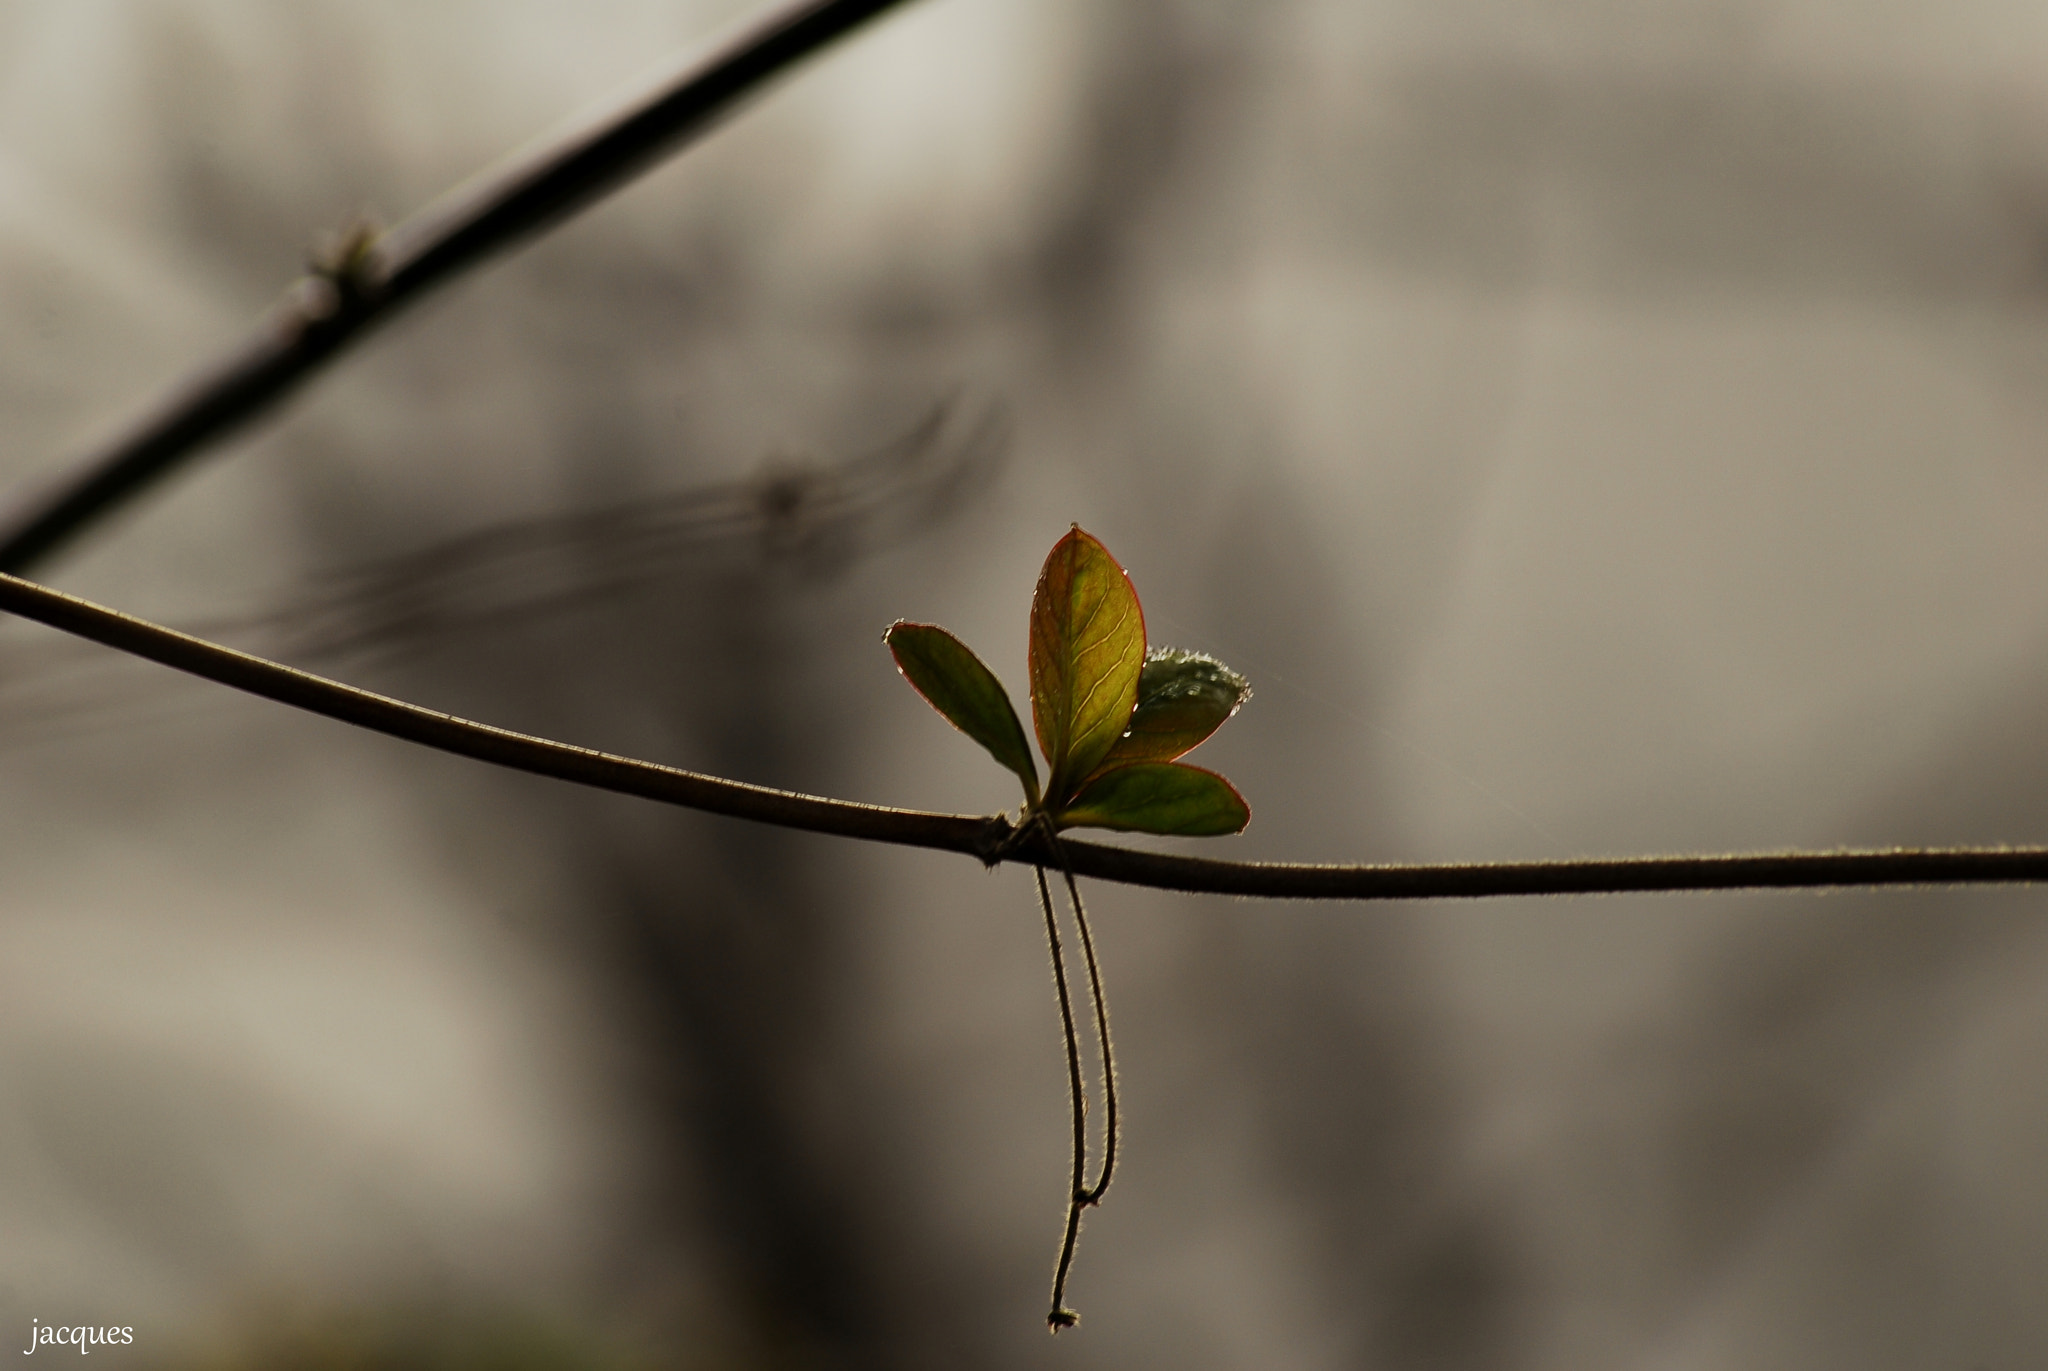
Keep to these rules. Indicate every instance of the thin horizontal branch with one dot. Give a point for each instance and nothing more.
(382, 714)
(322, 314)
(1608, 876)
(989, 837)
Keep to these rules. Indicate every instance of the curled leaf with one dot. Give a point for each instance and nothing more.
(1158, 797)
(1183, 697)
(942, 669)
(1087, 649)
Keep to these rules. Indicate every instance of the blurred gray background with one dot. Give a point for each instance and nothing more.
(1595, 428)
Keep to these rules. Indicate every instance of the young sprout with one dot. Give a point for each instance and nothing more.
(1112, 719)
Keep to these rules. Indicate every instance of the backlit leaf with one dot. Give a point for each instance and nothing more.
(1183, 697)
(1158, 797)
(956, 683)
(1087, 649)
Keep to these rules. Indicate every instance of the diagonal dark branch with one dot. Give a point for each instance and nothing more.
(992, 837)
(323, 313)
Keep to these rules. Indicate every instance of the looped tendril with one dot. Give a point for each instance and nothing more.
(1081, 1195)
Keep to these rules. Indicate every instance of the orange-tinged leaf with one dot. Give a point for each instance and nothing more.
(1087, 649)
(1183, 697)
(955, 682)
(1158, 797)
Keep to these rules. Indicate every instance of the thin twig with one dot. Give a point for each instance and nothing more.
(1081, 1195)
(992, 838)
(323, 313)
(1093, 1194)
(1059, 1316)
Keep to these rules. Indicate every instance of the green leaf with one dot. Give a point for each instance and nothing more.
(1158, 797)
(1183, 697)
(956, 684)
(1087, 648)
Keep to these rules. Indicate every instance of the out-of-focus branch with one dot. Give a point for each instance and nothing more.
(375, 274)
(992, 838)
